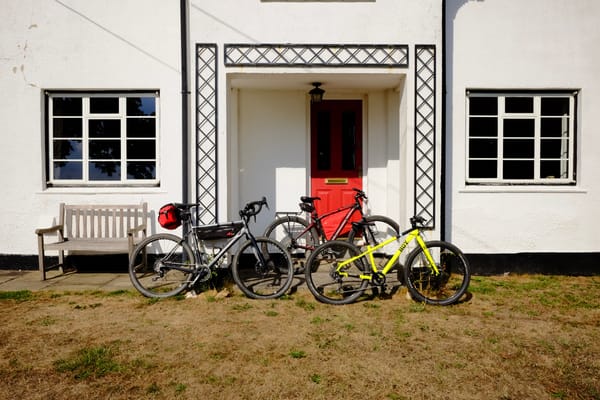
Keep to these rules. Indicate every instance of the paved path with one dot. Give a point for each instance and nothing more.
(12, 280)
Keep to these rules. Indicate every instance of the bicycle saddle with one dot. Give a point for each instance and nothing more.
(307, 199)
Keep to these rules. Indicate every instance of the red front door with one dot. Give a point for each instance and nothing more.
(336, 152)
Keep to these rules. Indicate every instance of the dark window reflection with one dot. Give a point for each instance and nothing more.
(105, 128)
(518, 169)
(105, 149)
(105, 171)
(104, 105)
(141, 149)
(348, 140)
(518, 104)
(67, 106)
(483, 106)
(323, 141)
(140, 106)
(141, 170)
(555, 106)
(67, 127)
(483, 169)
(141, 127)
(67, 149)
(68, 170)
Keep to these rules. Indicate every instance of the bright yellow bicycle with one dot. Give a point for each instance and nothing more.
(435, 272)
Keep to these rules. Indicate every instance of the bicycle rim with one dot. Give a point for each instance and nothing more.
(291, 232)
(326, 283)
(263, 281)
(155, 267)
(444, 288)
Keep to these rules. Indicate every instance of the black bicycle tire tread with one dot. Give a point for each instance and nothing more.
(238, 281)
(132, 277)
(416, 295)
(311, 286)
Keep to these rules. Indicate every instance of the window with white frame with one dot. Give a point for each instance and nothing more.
(102, 138)
(521, 137)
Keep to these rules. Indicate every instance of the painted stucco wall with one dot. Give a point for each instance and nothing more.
(79, 45)
(534, 44)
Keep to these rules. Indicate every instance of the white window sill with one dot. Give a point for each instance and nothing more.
(521, 189)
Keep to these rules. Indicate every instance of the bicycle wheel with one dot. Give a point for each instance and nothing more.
(161, 265)
(377, 230)
(293, 233)
(445, 288)
(329, 285)
(259, 281)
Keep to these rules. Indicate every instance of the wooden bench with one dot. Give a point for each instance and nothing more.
(93, 229)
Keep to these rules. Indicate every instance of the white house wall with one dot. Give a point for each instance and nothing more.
(80, 45)
(516, 44)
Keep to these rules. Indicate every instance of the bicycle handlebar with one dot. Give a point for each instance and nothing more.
(253, 208)
(359, 194)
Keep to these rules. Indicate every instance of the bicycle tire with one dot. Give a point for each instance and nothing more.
(288, 231)
(262, 282)
(378, 229)
(447, 287)
(149, 265)
(325, 284)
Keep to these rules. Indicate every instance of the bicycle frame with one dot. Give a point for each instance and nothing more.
(195, 245)
(410, 236)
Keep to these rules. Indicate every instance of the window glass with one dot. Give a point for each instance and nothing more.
(348, 140)
(518, 105)
(104, 105)
(67, 106)
(520, 138)
(96, 139)
(323, 141)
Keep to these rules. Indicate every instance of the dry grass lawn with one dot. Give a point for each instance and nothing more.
(516, 337)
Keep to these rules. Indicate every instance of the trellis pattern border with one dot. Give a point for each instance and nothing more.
(316, 55)
(206, 133)
(425, 133)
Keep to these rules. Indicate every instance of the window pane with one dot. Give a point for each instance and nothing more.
(519, 128)
(323, 141)
(105, 128)
(483, 169)
(487, 127)
(483, 148)
(554, 148)
(555, 106)
(483, 106)
(67, 149)
(554, 169)
(348, 141)
(141, 149)
(104, 105)
(518, 169)
(105, 149)
(105, 171)
(141, 127)
(518, 104)
(68, 170)
(518, 148)
(555, 127)
(67, 127)
(67, 106)
(141, 106)
(141, 170)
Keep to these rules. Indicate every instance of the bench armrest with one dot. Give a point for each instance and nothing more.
(139, 228)
(43, 231)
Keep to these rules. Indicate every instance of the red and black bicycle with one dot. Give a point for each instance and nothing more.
(300, 236)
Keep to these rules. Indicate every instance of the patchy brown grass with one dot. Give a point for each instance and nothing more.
(516, 337)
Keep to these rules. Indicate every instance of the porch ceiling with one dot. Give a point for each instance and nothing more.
(340, 81)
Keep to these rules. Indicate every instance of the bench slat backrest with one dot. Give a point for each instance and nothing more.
(111, 221)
